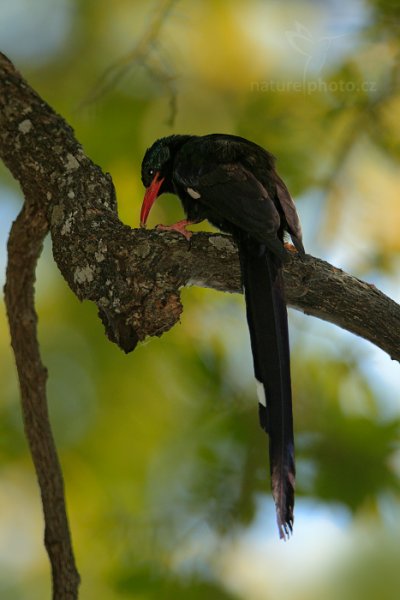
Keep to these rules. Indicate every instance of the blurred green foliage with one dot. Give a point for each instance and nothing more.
(165, 465)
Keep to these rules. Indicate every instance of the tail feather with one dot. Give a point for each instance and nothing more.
(267, 320)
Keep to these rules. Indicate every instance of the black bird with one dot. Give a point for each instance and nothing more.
(232, 182)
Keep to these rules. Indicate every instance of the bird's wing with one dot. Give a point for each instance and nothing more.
(234, 194)
(290, 212)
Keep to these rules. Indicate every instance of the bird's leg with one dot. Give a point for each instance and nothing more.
(180, 227)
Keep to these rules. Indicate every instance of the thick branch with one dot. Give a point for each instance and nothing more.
(134, 276)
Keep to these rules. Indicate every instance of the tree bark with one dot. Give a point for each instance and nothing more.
(133, 276)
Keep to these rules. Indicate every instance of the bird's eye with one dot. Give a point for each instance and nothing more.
(151, 172)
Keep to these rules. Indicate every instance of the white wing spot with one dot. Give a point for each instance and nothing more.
(261, 393)
(193, 193)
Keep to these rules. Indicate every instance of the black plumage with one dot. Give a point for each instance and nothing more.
(232, 183)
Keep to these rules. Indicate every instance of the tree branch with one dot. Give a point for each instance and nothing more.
(133, 276)
(24, 249)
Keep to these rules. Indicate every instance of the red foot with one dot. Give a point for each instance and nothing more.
(180, 227)
(290, 247)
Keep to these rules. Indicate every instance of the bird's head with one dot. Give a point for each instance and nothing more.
(156, 175)
(157, 167)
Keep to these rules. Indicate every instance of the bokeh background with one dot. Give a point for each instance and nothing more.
(165, 465)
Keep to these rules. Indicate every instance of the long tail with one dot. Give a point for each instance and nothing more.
(267, 320)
